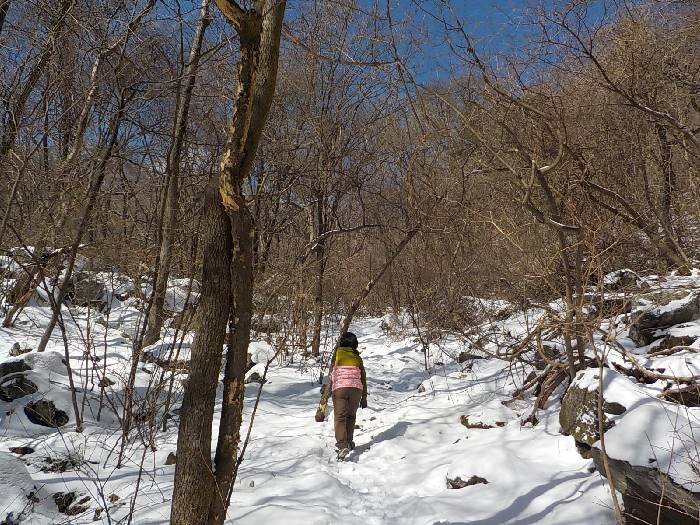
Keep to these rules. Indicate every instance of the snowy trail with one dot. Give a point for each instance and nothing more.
(407, 445)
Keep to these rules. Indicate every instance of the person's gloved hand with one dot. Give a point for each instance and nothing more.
(363, 402)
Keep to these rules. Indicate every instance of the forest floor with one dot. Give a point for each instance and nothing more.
(409, 442)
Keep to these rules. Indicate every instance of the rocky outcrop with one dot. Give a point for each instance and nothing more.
(648, 495)
(649, 325)
(13, 367)
(46, 414)
(464, 421)
(22, 451)
(166, 356)
(459, 483)
(86, 290)
(579, 417)
(255, 377)
(467, 356)
(15, 387)
(622, 279)
(13, 383)
(19, 349)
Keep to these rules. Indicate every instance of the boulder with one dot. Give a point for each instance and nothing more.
(13, 367)
(171, 459)
(686, 395)
(255, 377)
(87, 291)
(464, 420)
(16, 386)
(671, 341)
(646, 327)
(621, 279)
(163, 355)
(579, 417)
(46, 414)
(648, 495)
(19, 349)
(608, 305)
(22, 451)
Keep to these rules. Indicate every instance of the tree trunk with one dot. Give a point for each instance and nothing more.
(156, 317)
(196, 500)
(236, 360)
(318, 229)
(194, 479)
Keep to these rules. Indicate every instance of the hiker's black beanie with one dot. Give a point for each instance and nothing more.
(349, 339)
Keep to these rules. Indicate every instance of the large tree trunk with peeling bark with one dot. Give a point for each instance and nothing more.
(201, 496)
(236, 360)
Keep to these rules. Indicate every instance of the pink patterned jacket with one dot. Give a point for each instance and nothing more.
(346, 377)
(348, 370)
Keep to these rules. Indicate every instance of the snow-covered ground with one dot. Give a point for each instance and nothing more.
(408, 442)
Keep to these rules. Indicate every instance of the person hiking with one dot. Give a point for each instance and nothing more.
(349, 390)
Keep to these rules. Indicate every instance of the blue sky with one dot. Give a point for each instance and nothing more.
(496, 26)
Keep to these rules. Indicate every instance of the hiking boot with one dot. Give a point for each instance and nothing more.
(343, 453)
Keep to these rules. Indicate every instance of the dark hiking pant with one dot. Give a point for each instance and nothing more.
(345, 403)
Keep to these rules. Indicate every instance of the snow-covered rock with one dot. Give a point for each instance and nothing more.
(648, 326)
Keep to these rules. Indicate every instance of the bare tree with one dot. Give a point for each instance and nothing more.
(172, 183)
(200, 494)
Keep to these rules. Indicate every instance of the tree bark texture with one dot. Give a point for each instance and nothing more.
(200, 495)
(194, 477)
(319, 271)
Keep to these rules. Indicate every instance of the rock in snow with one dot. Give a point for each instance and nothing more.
(15, 387)
(648, 495)
(579, 414)
(648, 325)
(46, 414)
